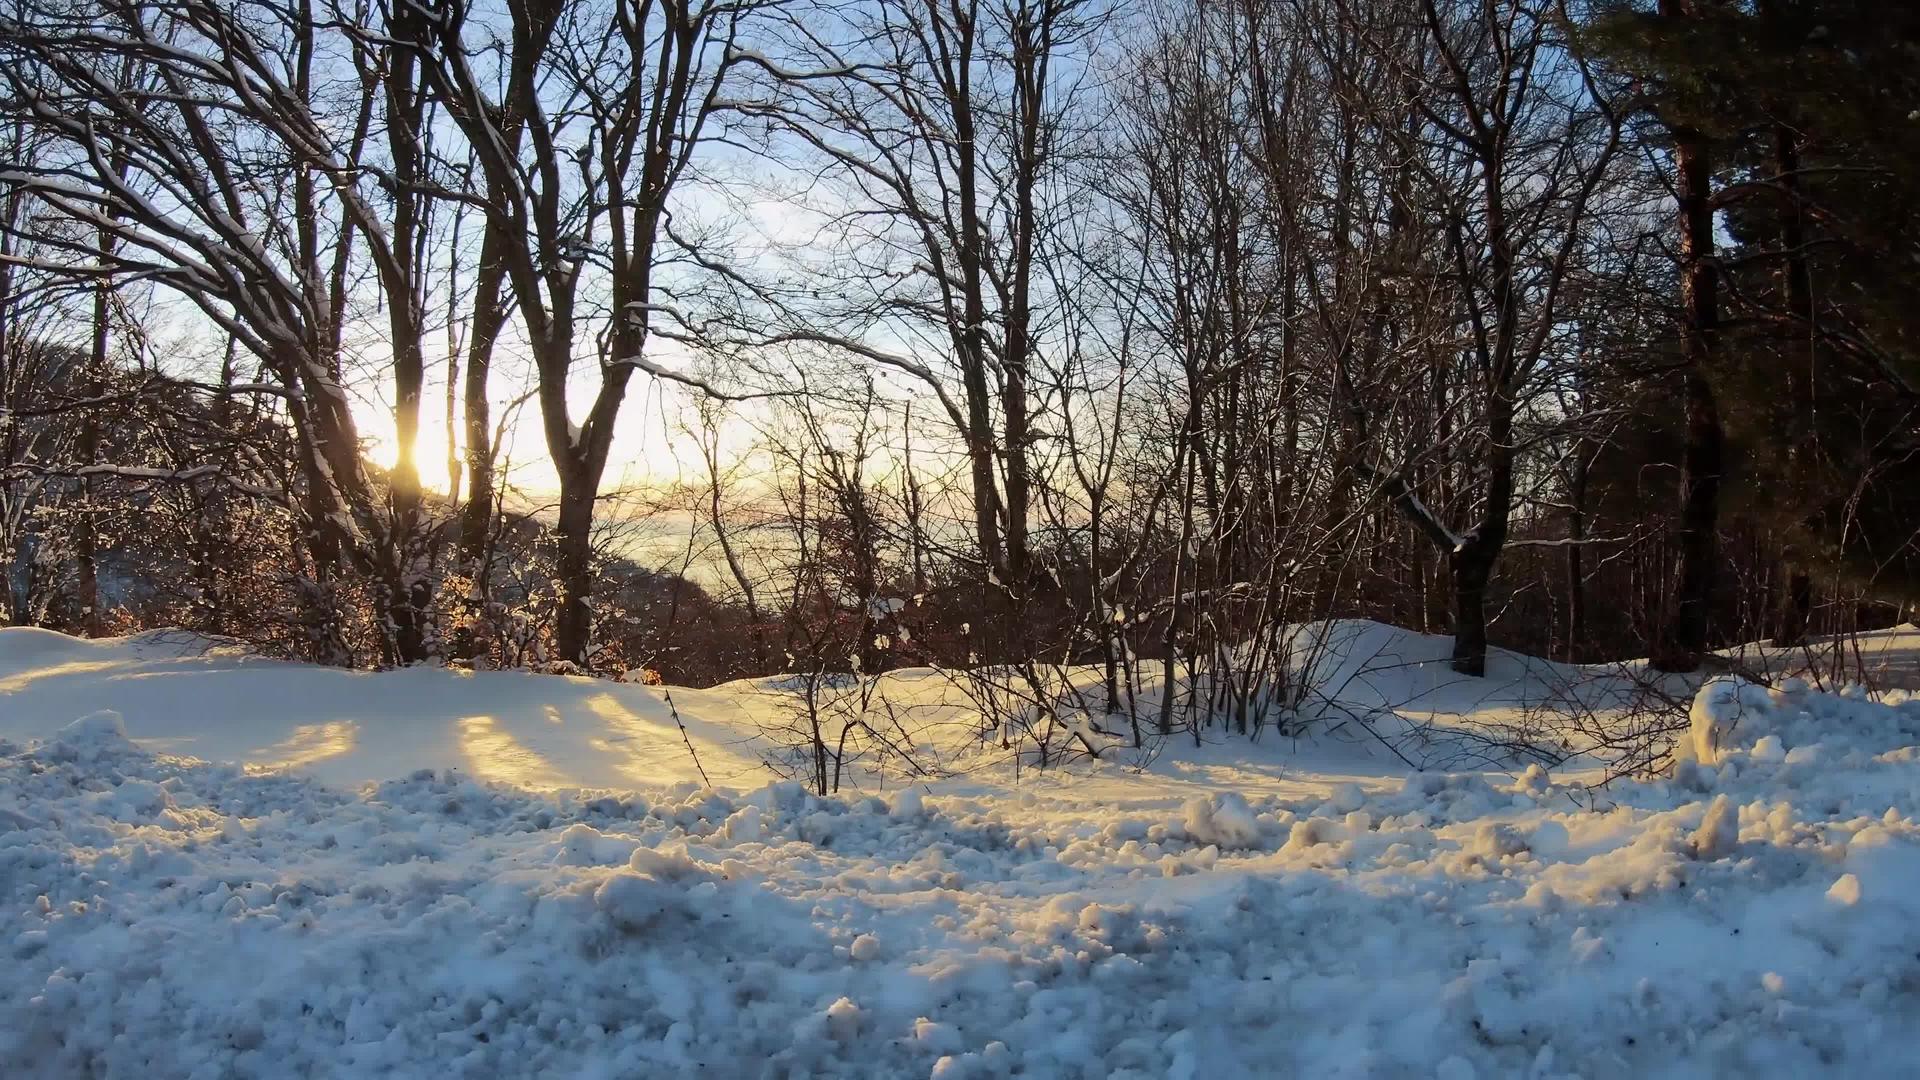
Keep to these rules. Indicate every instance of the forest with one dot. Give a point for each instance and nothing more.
(700, 339)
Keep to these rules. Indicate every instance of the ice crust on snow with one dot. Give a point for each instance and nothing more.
(1752, 913)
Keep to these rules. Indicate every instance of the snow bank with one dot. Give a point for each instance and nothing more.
(1753, 914)
(184, 694)
(1733, 718)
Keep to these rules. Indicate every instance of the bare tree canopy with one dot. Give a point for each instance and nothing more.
(1033, 333)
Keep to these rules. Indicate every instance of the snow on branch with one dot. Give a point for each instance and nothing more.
(659, 372)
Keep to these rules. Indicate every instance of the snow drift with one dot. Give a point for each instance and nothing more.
(1306, 913)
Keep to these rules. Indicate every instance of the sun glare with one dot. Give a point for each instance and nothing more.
(429, 450)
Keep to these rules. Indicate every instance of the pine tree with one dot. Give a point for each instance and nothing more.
(1793, 136)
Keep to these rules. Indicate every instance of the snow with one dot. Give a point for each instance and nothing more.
(1845, 890)
(184, 695)
(1222, 820)
(214, 865)
(1719, 831)
(843, 1019)
(907, 803)
(97, 730)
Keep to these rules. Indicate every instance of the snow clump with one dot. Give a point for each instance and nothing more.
(1223, 820)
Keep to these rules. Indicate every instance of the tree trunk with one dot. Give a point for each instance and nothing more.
(970, 338)
(95, 384)
(489, 315)
(573, 631)
(1470, 569)
(1577, 485)
(1688, 631)
(1797, 603)
(1170, 642)
(86, 539)
(409, 592)
(1801, 385)
(1472, 560)
(1018, 487)
(1796, 610)
(1576, 586)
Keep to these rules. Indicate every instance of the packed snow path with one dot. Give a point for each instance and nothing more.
(1757, 914)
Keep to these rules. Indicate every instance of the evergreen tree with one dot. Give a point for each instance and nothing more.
(1792, 130)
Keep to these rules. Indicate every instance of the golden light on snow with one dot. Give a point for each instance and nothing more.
(627, 739)
(494, 754)
(24, 679)
(308, 743)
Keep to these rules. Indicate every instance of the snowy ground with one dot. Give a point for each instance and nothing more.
(430, 873)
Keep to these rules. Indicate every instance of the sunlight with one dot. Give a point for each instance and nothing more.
(308, 743)
(429, 450)
(493, 754)
(631, 735)
(54, 671)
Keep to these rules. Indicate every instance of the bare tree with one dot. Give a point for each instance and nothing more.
(939, 128)
(581, 147)
(162, 115)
